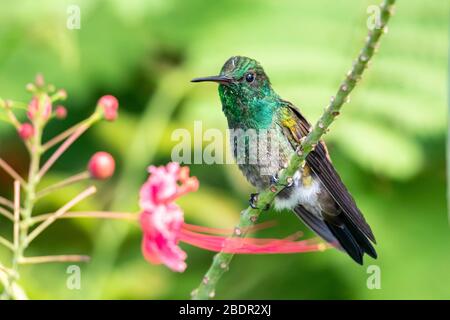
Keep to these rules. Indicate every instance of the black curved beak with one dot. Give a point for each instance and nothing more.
(218, 79)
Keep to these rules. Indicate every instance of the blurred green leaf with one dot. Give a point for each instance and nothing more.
(379, 149)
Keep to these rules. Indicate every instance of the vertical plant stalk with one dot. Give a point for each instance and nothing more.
(9, 279)
(16, 213)
(35, 151)
(248, 217)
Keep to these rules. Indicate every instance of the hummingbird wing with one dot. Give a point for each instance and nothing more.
(315, 224)
(341, 236)
(320, 163)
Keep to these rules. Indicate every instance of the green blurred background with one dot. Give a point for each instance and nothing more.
(388, 145)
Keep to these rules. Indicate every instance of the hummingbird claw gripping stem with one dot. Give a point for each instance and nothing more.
(290, 182)
(253, 199)
(274, 179)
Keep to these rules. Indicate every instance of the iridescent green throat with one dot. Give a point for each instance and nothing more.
(249, 109)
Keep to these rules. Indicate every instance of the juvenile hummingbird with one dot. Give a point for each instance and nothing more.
(316, 195)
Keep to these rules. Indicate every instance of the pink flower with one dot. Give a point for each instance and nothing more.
(39, 108)
(109, 106)
(163, 225)
(26, 131)
(101, 166)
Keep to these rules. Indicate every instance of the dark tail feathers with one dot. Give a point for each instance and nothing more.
(353, 241)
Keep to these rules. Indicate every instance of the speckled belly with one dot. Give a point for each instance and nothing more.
(267, 160)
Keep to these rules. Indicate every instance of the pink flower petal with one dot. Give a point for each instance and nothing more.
(161, 228)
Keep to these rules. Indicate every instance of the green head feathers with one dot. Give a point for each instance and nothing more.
(248, 99)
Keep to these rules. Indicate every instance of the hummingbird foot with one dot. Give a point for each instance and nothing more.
(274, 179)
(253, 200)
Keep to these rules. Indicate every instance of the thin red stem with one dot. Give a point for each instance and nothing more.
(8, 169)
(71, 139)
(6, 214)
(59, 258)
(6, 203)
(74, 179)
(60, 137)
(86, 193)
(87, 214)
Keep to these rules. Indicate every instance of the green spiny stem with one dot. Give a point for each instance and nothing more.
(249, 216)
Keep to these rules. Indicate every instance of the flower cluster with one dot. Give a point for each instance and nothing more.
(21, 212)
(40, 108)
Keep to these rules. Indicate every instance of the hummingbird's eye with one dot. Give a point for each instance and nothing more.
(249, 77)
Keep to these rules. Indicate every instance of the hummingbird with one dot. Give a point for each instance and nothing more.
(316, 193)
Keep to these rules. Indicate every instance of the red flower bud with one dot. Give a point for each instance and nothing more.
(101, 166)
(61, 112)
(109, 106)
(26, 131)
